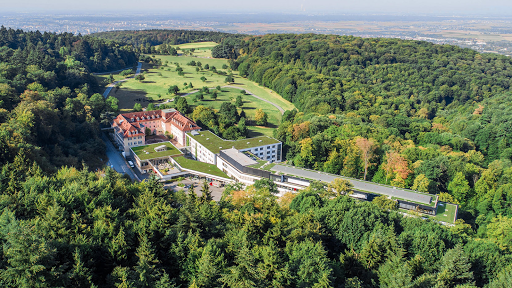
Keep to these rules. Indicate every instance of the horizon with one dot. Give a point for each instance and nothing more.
(301, 7)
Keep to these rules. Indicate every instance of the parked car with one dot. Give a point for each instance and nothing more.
(130, 163)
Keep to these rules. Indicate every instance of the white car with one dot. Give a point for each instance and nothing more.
(130, 163)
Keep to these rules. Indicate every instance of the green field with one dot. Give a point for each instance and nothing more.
(103, 80)
(202, 49)
(250, 104)
(255, 131)
(200, 166)
(196, 45)
(158, 80)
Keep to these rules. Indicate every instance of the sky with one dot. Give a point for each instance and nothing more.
(451, 7)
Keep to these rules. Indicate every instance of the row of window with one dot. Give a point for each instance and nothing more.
(133, 138)
(134, 143)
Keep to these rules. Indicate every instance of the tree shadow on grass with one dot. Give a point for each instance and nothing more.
(252, 133)
(128, 97)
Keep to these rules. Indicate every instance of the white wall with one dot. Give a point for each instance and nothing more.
(266, 152)
(178, 134)
(201, 153)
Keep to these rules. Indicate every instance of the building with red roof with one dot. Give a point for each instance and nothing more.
(130, 129)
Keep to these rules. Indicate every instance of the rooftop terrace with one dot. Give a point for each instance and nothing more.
(148, 151)
(214, 143)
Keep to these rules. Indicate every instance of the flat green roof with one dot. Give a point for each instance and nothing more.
(446, 212)
(140, 151)
(200, 166)
(259, 164)
(214, 143)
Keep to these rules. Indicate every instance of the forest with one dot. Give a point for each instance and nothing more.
(66, 220)
(150, 41)
(50, 110)
(77, 228)
(432, 118)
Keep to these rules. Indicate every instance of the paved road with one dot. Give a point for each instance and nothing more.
(358, 184)
(112, 85)
(250, 93)
(116, 160)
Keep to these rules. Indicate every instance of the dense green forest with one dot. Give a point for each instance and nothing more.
(49, 112)
(85, 229)
(146, 41)
(433, 118)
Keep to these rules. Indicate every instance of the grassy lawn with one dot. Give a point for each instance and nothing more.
(158, 80)
(250, 104)
(256, 131)
(196, 45)
(148, 151)
(445, 212)
(262, 92)
(103, 80)
(200, 166)
(213, 143)
(202, 49)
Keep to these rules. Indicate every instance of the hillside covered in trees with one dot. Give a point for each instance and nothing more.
(85, 229)
(145, 41)
(433, 118)
(66, 223)
(49, 112)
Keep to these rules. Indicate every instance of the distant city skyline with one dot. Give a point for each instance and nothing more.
(441, 7)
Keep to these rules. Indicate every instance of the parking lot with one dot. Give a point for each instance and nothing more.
(216, 191)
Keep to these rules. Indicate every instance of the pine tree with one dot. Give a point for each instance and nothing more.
(206, 195)
(80, 276)
(455, 268)
(145, 269)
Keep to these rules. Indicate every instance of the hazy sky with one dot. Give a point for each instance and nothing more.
(330, 6)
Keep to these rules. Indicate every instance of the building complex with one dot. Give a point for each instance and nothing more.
(204, 154)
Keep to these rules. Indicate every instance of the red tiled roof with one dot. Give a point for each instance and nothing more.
(181, 122)
(128, 129)
(130, 123)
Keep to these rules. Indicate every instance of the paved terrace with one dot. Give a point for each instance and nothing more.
(358, 184)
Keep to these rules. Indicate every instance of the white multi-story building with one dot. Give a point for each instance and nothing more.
(205, 146)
